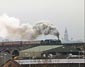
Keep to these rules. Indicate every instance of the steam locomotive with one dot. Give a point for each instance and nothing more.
(21, 43)
(50, 42)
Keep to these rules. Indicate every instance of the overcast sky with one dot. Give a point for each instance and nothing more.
(62, 13)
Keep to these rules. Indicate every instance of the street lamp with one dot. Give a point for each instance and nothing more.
(79, 58)
(29, 60)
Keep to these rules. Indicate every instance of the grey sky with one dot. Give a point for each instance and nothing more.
(62, 13)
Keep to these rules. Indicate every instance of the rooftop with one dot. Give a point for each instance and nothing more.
(49, 61)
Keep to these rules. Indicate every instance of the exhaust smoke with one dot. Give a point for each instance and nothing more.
(46, 29)
(12, 29)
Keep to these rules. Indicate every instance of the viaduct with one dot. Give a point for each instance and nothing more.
(13, 47)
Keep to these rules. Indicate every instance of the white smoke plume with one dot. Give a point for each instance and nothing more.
(7, 21)
(12, 29)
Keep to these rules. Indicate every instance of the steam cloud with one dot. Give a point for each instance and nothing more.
(12, 29)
